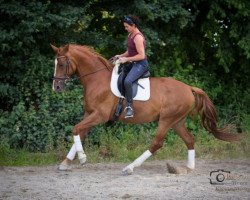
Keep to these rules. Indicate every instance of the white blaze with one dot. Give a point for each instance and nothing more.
(53, 86)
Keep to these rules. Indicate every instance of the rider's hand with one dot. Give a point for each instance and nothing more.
(123, 59)
(114, 58)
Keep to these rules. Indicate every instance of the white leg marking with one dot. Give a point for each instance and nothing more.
(129, 169)
(72, 153)
(191, 159)
(78, 144)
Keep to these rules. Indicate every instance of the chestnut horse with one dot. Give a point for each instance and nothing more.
(171, 101)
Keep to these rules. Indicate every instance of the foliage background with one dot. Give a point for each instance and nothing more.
(202, 43)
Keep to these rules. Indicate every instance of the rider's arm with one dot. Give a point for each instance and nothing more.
(125, 54)
(139, 44)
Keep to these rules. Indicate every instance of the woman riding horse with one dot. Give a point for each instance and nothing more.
(170, 103)
(136, 54)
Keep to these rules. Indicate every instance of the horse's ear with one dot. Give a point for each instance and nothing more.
(54, 48)
(66, 48)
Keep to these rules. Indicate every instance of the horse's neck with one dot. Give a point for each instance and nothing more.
(95, 79)
(92, 69)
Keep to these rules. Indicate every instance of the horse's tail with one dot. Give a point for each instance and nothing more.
(206, 109)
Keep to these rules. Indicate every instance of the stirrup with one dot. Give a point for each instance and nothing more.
(129, 112)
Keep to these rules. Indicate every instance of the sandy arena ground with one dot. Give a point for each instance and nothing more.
(105, 181)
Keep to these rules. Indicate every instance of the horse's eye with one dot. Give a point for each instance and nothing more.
(60, 65)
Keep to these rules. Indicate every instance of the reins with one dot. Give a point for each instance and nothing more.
(68, 65)
(91, 73)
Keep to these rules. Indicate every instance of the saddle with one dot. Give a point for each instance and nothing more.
(123, 71)
(141, 87)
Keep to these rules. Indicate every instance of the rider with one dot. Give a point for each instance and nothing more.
(135, 53)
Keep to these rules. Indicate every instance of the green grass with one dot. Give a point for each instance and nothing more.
(206, 146)
(126, 143)
(24, 158)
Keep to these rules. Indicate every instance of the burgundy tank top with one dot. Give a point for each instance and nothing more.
(131, 45)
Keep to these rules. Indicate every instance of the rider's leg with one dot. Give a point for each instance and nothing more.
(135, 73)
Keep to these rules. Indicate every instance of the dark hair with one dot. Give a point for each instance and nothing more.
(131, 20)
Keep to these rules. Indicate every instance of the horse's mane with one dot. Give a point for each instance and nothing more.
(91, 50)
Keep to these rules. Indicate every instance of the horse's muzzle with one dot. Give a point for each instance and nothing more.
(58, 85)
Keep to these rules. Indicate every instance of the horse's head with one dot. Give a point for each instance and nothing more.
(64, 68)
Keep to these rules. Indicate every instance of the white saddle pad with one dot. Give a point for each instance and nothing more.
(143, 94)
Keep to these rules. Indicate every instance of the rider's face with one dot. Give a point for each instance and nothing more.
(128, 27)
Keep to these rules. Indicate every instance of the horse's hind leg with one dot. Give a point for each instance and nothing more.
(155, 145)
(188, 138)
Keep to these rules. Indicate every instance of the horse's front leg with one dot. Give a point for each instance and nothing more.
(65, 164)
(80, 131)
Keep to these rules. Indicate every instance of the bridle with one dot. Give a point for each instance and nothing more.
(68, 66)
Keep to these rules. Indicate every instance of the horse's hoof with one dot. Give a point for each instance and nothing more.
(64, 167)
(190, 169)
(127, 171)
(83, 159)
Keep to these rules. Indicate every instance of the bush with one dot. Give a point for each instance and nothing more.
(42, 119)
(208, 49)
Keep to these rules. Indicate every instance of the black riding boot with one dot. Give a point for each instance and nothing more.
(129, 111)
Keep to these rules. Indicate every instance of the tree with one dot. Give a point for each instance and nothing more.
(203, 43)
